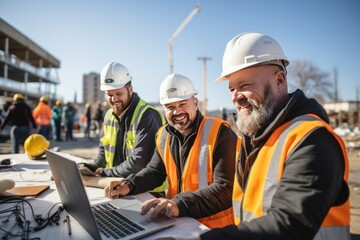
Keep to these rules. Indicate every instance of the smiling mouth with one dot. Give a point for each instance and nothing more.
(248, 106)
(116, 104)
(179, 118)
(245, 108)
(244, 103)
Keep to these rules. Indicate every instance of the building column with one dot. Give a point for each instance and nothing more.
(6, 50)
(40, 79)
(26, 77)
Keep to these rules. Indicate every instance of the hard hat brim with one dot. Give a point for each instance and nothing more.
(108, 87)
(223, 76)
(175, 99)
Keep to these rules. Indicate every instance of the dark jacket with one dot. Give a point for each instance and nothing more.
(144, 146)
(19, 114)
(311, 183)
(203, 202)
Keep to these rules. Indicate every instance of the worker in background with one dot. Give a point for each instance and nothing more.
(19, 116)
(130, 125)
(42, 116)
(87, 116)
(56, 117)
(223, 113)
(2, 115)
(98, 118)
(291, 174)
(69, 113)
(197, 155)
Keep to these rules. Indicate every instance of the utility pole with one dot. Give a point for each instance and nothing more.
(176, 33)
(204, 59)
(336, 96)
(358, 106)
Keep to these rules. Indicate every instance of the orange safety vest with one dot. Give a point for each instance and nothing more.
(198, 169)
(267, 171)
(42, 114)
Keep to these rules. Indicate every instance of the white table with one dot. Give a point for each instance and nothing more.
(26, 172)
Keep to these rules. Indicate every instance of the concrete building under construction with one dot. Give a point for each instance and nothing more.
(25, 67)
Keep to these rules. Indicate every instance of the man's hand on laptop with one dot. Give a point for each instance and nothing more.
(87, 169)
(160, 206)
(116, 189)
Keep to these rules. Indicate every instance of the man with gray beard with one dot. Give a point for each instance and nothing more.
(292, 170)
(259, 117)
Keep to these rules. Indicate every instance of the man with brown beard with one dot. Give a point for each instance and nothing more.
(129, 127)
(195, 153)
(292, 170)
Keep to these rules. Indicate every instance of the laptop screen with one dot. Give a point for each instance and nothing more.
(73, 196)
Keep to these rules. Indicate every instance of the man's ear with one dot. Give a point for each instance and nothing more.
(280, 78)
(196, 101)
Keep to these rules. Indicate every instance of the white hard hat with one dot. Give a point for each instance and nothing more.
(114, 76)
(176, 87)
(250, 49)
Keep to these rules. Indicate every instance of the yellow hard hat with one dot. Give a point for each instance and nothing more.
(18, 97)
(87, 105)
(44, 99)
(35, 145)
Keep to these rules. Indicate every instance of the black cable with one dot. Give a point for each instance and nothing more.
(19, 213)
(18, 218)
(18, 200)
(26, 231)
(54, 218)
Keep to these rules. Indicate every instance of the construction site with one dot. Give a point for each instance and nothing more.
(32, 71)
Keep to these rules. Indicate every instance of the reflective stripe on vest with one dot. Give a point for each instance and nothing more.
(237, 192)
(270, 163)
(198, 169)
(111, 125)
(131, 133)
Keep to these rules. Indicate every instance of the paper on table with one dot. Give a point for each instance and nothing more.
(99, 182)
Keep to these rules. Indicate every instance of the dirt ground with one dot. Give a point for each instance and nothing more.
(87, 148)
(354, 185)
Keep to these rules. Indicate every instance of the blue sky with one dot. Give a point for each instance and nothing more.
(85, 35)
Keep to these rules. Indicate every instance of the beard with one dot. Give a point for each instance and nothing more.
(182, 126)
(260, 116)
(118, 109)
(121, 106)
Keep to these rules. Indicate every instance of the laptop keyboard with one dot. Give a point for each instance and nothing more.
(112, 223)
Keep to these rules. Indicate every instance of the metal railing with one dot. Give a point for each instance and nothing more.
(44, 73)
(20, 87)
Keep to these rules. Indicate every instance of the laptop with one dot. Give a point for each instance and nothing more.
(124, 210)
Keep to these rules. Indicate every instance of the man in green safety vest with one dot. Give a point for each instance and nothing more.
(129, 127)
